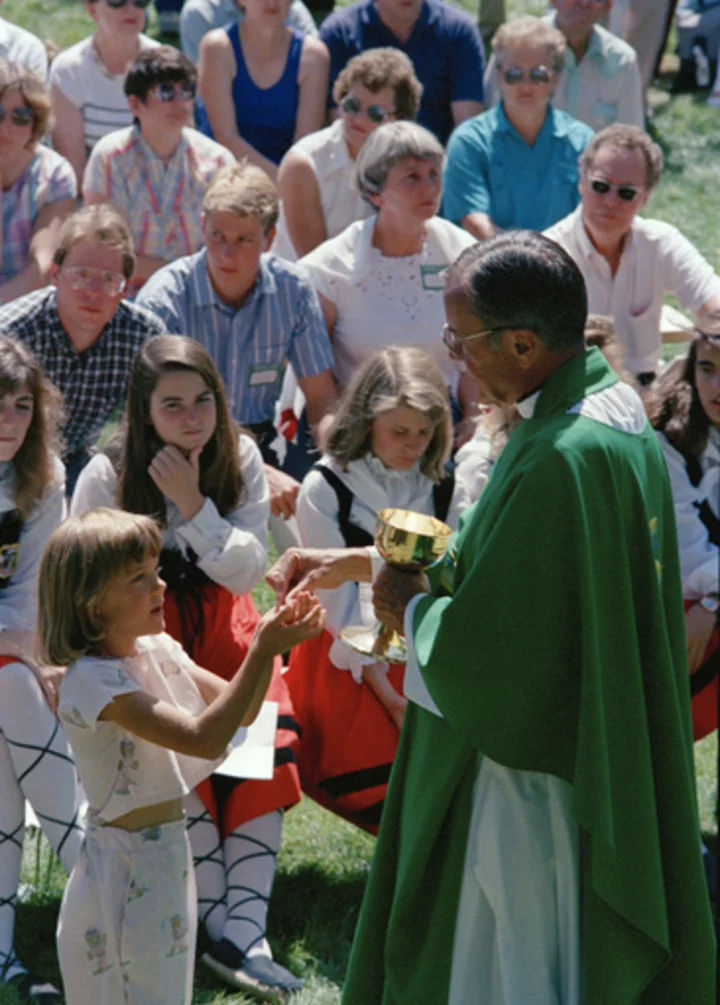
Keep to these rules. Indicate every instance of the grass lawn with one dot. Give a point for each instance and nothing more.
(324, 862)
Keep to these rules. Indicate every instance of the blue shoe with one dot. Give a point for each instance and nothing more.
(258, 976)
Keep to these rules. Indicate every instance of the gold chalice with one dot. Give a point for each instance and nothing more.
(409, 541)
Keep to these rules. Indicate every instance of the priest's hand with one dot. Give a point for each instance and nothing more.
(699, 625)
(318, 569)
(393, 590)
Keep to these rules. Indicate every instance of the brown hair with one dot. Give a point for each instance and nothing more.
(626, 138)
(33, 464)
(154, 66)
(377, 69)
(103, 224)
(396, 377)
(81, 559)
(244, 190)
(673, 404)
(14, 77)
(220, 475)
(532, 31)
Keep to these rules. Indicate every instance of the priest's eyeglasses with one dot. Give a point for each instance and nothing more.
(455, 344)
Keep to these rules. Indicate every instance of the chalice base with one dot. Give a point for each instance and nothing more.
(367, 642)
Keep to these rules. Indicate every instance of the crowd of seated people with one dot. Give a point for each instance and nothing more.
(257, 229)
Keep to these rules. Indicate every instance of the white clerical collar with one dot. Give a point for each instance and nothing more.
(526, 407)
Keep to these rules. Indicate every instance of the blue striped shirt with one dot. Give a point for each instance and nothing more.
(280, 323)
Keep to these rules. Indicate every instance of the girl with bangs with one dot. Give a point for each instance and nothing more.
(35, 761)
(146, 724)
(180, 459)
(387, 447)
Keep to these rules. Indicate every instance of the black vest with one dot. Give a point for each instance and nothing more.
(712, 522)
(11, 528)
(356, 537)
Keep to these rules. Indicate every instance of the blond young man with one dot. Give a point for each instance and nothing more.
(251, 310)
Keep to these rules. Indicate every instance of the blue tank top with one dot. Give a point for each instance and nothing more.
(265, 117)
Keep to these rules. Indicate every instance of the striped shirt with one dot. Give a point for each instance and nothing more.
(87, 83)
(280, 322)
(94, 382)
(163, 203)
(48, 178)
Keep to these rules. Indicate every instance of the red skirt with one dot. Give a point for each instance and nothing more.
(704, 687)
(348, 739)
(228, 626)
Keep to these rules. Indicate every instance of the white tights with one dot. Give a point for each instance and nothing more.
(234, 877)
(35, 765)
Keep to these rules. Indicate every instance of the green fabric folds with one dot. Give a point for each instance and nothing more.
(560, 650)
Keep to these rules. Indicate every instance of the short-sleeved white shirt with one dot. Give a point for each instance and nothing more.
(385, 301)
(85, 81)
(656, 260)
(120, 771)
(341, 202)
(21, 46)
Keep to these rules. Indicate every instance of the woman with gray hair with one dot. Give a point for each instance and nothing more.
(381, 280)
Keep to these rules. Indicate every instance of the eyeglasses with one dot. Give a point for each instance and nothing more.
(376, 113)
(628, 193)
(20, 116)
(536, 75)
(167, 90)
(455, 345)
(117, 4)
(83, 277)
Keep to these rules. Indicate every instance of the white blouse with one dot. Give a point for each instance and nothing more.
(18, 601)
(342, 204)
(385, 301)
(231, 550)
(120, 771)
(374, 487)
(699, 558)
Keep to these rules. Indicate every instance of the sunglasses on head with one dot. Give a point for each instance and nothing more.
(376, 113)
(20, 116)
(536, 75)
(117, 4)
(169, 90)
(628, 193)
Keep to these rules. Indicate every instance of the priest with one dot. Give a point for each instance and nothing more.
(539, 842)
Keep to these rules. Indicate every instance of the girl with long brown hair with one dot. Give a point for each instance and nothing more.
(180, 459)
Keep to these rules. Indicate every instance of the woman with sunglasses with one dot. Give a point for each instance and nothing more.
(263, 85)
(516, 165)
(381, 280)
(86, 80)
(156, 171)
(38, 185)
(318, 199)
(630, 263)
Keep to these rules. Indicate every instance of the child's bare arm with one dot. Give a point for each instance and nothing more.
(395, 704)
(208, 734)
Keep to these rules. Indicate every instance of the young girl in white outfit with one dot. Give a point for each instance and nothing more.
(180, 458)
(146, 725)
(35, 761)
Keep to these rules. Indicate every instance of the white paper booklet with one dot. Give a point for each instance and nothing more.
(253, 747)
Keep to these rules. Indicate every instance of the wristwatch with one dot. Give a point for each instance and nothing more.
(711, 603)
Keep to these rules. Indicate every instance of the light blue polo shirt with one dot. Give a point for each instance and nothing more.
(281, 322)
(491, 169)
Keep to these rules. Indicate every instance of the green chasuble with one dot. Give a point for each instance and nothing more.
(553, 641)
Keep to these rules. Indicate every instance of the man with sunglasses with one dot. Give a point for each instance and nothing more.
(81, 330)
(156, 171)
(443, 43)
(631, 263)
(600, 79)
(516, 165)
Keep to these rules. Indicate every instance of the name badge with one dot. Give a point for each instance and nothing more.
(432, 277)
(264, 373)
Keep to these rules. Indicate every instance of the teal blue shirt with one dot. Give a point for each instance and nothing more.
(491, 169)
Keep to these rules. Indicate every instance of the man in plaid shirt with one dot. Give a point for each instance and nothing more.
(81, 330)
